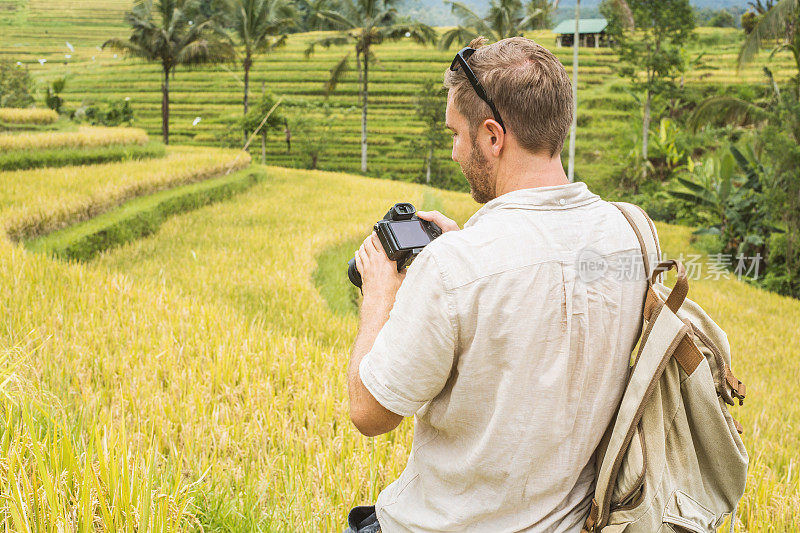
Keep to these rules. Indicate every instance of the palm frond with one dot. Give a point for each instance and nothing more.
(326, 42)
(768, 26)
(129, 48)
(336, 19)
(459, 34)
(528, 21)
(467, 16)
(418, 32)
(726, 110)
(336, 74)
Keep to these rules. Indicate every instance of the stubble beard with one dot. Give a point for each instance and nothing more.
(478, 173)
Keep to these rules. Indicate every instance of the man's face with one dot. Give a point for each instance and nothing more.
(468, 153)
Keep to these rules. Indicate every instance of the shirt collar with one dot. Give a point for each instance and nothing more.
(548, 198)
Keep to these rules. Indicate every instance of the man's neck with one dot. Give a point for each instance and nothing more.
(529, 172)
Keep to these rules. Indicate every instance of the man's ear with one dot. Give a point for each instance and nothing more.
(496, 135)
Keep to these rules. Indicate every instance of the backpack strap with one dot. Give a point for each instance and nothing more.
(645, 232)
(664, 337)
(664, 334)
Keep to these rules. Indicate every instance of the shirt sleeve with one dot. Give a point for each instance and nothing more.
(413, 353)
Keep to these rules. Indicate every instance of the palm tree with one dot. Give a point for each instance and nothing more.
(782, 18)
(506, 18)
(260, 26)
(364, 24)
(307, 10)
(164, 33)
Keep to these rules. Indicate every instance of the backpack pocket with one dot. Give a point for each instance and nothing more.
(685, 514)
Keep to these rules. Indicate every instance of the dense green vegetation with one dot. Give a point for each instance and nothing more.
(59, 157)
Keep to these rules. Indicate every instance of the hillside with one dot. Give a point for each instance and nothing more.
(436, 13)
(606, 124)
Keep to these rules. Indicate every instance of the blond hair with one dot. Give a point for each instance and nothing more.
(529, 88)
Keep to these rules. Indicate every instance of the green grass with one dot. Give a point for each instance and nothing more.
(60, 157)
(139, 217)
(342, 296)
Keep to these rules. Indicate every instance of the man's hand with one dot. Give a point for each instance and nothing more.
(439, 219)
(380, 279)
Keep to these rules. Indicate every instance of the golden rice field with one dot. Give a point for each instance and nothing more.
(71, 194)
(14, 115)
(85, 137)
(207, 351)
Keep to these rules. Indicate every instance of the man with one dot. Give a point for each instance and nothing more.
(509, 353)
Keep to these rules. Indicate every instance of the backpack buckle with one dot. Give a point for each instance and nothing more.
(591, 521)
(738, 389)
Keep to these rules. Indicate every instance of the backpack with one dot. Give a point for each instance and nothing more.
(672, 458)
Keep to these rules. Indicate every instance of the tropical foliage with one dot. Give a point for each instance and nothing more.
(162, 32)
(364, 24)
(260, 26)
(505, 18)
(649, 36)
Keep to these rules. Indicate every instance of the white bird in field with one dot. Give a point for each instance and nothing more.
(42, 61)
(127, 98)
(92, 58)
(195, 121)
(71, 48)
(115, 56)
(19, 63)
(68, 56)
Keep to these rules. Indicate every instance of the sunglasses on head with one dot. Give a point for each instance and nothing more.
(461, 60)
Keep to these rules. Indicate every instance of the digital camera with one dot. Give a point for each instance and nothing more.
(403, 236)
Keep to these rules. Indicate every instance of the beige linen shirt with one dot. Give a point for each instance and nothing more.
(509, 342)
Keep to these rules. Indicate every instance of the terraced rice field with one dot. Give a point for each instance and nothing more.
(195, 379)
(606, 118)
(210, 343)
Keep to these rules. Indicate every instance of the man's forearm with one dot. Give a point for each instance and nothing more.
(369, 416)
(374, 314)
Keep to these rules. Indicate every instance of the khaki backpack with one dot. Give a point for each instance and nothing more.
(672, 458)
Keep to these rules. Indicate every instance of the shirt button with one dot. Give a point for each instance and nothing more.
(562, 201)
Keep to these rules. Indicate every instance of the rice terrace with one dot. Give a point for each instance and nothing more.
(176, 318)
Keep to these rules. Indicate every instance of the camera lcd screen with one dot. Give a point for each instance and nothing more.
(410, 234)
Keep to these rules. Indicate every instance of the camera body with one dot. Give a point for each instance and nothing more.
(403, 236)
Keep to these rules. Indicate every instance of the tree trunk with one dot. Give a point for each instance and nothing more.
(165, 106)
(246, 81)
(573, 129)
(646, 123)
(246, 88)
(428, 166)
(364, 112)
